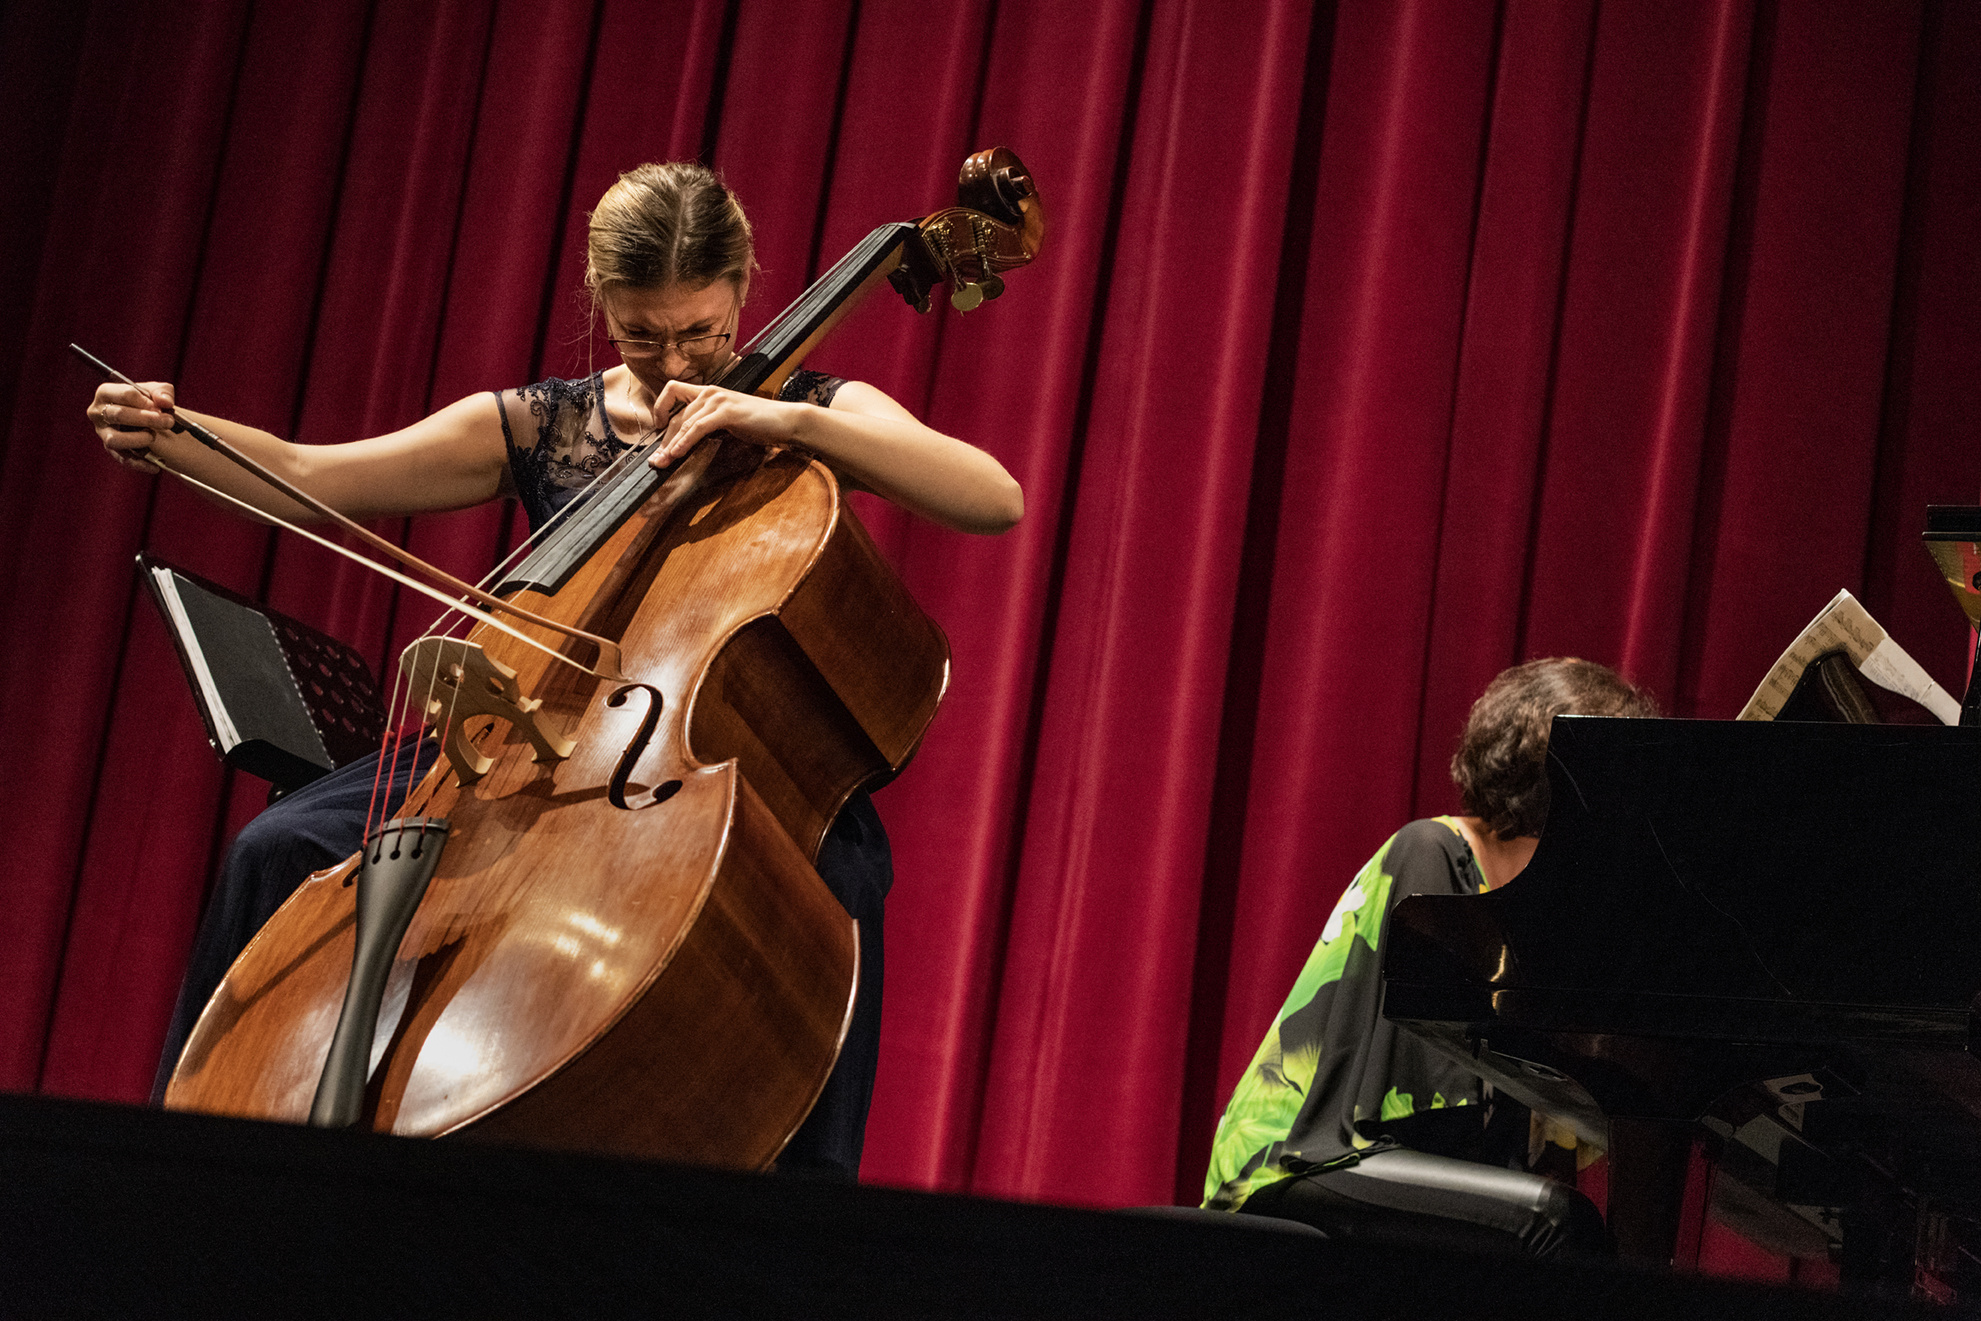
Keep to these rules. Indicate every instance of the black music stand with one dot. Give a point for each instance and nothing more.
(280, 699)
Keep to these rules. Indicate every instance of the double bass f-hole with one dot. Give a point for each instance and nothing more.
(616, 791)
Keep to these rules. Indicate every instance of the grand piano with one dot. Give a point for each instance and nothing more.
(1762, 935)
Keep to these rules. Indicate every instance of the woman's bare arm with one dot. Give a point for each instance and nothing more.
(449, 460)
(867, 436)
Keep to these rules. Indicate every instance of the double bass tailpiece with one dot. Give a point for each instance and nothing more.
(399, 859)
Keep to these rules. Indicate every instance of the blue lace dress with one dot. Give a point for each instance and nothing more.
(574, 441)
(559, 439)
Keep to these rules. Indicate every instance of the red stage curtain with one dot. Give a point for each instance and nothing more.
(1375, 346)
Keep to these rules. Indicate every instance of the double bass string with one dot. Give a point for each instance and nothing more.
(388, 751)
(452, 618)
(456, 612)
(441, 729)
(622, 469)
(631, 466)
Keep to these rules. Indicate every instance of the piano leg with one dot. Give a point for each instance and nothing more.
(1880, 1243)
(1649, 1160)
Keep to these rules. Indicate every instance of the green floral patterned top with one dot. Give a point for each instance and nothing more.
(1333, 1072)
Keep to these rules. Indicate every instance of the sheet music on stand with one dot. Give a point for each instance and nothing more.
(279, 699)
(1846, 626)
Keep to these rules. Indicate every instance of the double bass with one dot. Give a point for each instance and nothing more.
(595, 924)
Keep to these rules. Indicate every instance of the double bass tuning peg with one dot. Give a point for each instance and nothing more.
(969, 297)
(995, 226)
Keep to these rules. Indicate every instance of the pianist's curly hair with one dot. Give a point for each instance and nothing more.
(1501, 764)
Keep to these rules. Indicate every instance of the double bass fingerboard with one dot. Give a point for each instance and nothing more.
(772, 353)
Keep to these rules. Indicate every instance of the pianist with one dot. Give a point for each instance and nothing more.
(1354, 1126)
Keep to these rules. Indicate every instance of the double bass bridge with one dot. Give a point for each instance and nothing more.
(456, 679)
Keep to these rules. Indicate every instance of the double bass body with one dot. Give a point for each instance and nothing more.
(669, 978)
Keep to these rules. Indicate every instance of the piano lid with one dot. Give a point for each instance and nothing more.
(1799, 864)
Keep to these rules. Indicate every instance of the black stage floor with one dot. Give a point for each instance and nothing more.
(110, 1210)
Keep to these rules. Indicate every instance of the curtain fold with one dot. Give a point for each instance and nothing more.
(1095, 976)
(1364, 486)
(1373, 347)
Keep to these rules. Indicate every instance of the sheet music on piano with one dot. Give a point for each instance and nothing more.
(1846, 626)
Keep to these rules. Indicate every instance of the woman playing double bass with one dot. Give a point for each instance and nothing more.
(669, 259)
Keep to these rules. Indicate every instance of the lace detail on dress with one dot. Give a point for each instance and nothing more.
(807, 387)
(575, 442)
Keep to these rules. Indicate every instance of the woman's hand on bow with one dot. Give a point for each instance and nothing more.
(129, 419)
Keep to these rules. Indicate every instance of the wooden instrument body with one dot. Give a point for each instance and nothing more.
(668, 980)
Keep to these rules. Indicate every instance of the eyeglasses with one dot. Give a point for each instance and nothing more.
(695, 348)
